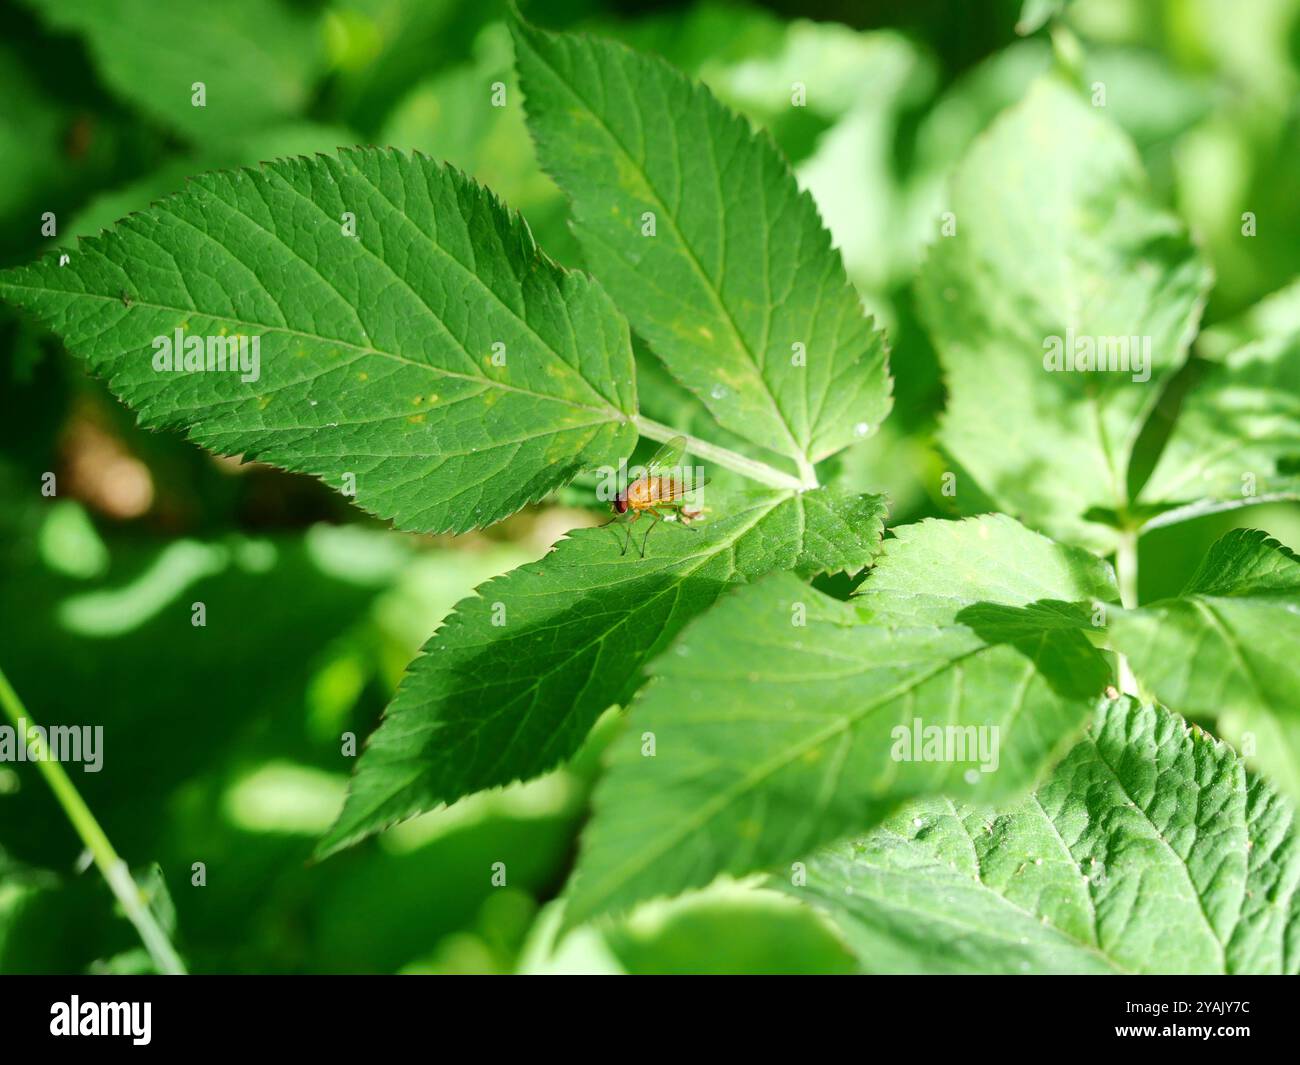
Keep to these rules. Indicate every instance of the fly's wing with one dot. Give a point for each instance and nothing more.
(689, 480)
(667, 458)
(674, 490)
(670, 478)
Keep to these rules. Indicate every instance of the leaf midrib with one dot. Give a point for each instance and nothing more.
(614, 413)
(945, 917)
(704, 557)
(1168, 848)
(675, 581)
(760, 773)
(690, 256)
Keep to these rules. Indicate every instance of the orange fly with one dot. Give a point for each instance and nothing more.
(658, 490)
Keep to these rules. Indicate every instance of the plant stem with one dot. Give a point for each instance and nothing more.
(113, 868)
(1067, 51)
(732, 460)
(1126, 570)
(1198, 510)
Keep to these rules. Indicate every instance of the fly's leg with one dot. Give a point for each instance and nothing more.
(686, 515)
(646, 539)
(628, 522)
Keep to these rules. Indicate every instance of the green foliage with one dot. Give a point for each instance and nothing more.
(1226, 648)
(712, 252)
(242, 85)
(371, 363)
(870, 735)
(1056, 237)
(929, 572)
(1237, 437)
(773, 722)
(516, 677)
(1149, 849)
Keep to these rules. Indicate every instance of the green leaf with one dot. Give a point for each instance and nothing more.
(860, 89)
(778, 721)
(377, 354)
(1276, 315)
(739, 270)
(1058, 244)
(456, 116)
(1237, 437)
(931, 571)
(271, 142)
(726, 930)
(1035, 14)
(1149, 850)
(1226, 648)
(711, 38)
(381, 48)
(20, 889)
(257, 59)
(512, 683)
(44, 165)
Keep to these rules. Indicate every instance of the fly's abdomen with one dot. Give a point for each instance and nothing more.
(651, 490)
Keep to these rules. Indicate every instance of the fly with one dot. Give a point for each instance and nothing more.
(662, 487)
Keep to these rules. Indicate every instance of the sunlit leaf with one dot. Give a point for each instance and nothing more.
(695, 225)
(1227, 648)
(1057, 247)
(1237, 438)
(1149, 850)
(773, 726)
(929, 572)
(436, 361)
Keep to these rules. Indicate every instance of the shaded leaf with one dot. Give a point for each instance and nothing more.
(512, 683)
(257, 59)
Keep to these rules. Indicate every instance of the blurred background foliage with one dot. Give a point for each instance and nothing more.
(223, 742)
